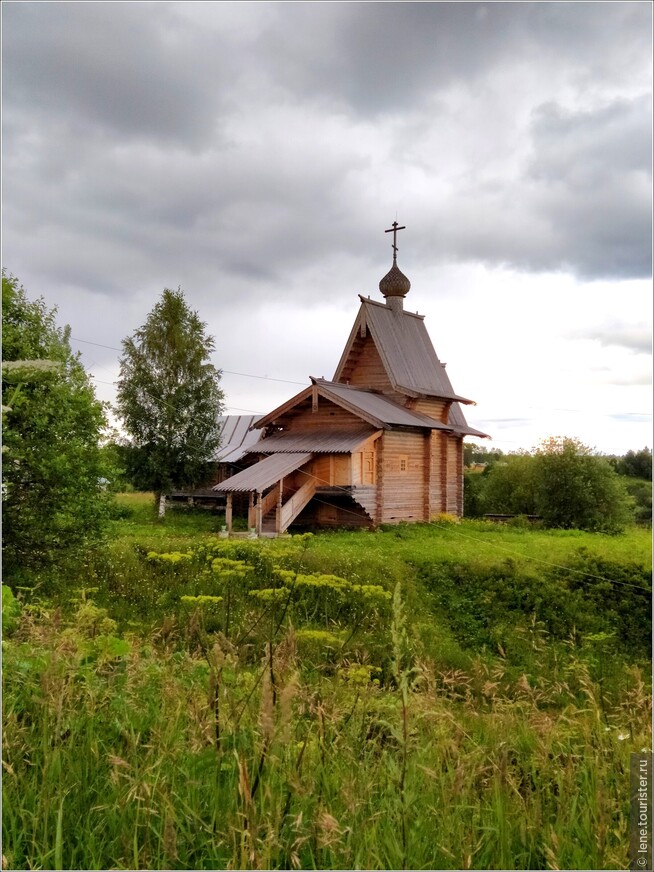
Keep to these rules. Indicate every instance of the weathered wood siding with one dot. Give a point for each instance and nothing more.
(328, 416)
(453, 471)
(368, 370)
(459, 475)
(436, 490)
(364, 463)
(437, 409)
(402, 496)
(332, 469)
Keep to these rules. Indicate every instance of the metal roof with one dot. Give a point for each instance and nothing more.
(376, 407)
(263, 474)
(236, 437)
(405, 348)
(318, 443)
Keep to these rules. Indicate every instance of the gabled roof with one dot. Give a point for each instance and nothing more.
(263, 474)
(405, 348)
(331, 442)
(376, 409)
(236, 437)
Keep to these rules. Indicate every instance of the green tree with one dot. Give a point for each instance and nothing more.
(577, 488)
(510, 486)
(53, 505)
(636, 464)
(169, 398)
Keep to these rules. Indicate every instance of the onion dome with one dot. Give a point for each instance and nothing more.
(395, 283)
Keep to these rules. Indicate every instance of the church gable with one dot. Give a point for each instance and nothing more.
(312, 412)
(363, 365)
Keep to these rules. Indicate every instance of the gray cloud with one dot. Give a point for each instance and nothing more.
(118, 69)
(581, 204)
(391, 56)
(635, 338)
(232, 146)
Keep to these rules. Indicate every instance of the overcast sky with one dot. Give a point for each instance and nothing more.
(254, 154)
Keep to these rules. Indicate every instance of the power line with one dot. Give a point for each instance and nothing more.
(225, 371)
(304, 384)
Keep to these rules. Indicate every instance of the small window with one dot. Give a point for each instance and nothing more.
(404, 462)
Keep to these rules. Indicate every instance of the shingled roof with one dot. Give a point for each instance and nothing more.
(403, 343)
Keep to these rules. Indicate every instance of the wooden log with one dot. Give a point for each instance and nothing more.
(259, 512)
(228, 513)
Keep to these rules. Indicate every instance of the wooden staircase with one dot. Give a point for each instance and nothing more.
(289, 510)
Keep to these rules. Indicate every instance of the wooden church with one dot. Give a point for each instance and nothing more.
(380, 443)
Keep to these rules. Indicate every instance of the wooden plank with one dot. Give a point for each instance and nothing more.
(427, 475)
(292, 508)
(259, 513)
(433, 408)
(367, 368)
(278, 514)
(228, 513)
(403, 488)
(269, 501)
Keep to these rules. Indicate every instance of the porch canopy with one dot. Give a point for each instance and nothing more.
(258, 478)
(264, 474)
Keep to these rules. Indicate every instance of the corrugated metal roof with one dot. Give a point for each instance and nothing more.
(236, 438)
(406, 351)
(318, 443)
(377, 406)
(263, 474)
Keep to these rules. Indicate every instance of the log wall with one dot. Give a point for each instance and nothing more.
(437, 409)
(401, 491)
(328, 416)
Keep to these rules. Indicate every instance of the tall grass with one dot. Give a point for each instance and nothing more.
(115, 762)
(291, 712)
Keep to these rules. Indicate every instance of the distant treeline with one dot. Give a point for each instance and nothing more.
(563, 483)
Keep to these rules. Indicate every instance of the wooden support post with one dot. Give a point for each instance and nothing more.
(278, 516)
(444, 458)
(427, 475)
(459, 477)
(379, 507)
(251, 518)
(259, 512)
(228, 513)
(314, 399)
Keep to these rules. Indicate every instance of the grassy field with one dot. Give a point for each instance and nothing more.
(438, 696)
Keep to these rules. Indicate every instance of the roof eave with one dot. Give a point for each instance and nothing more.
(454, 398)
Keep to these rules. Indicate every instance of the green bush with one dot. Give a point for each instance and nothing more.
(481, 602)
(11, 611)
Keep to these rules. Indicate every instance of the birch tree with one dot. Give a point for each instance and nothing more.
(169, 398)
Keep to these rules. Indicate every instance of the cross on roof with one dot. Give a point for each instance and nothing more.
(394, 230)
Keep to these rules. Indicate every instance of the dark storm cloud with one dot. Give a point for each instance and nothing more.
(582, 203)
(145, 146)
(118, 67)
(385, 57)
